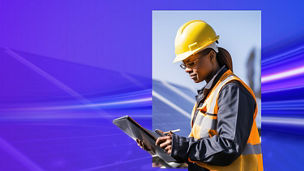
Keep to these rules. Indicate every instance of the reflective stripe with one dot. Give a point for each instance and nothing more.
(192, 114)
(252, 149)
(204, 126)
(210, 96)
(216, 92)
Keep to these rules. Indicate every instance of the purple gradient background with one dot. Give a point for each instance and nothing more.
(69, 67)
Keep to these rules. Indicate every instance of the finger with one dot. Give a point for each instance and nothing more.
(169, 151)
(169, 147)
(139, 145)
(161, 140)
(165, 144)
(138, 142)
(142, 143)
(144, 146)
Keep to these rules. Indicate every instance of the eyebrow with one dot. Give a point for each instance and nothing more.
(189, 60)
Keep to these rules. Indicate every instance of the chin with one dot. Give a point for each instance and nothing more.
(197, 81)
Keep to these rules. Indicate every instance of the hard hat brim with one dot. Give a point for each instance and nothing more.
(183, 56)
(187, 54)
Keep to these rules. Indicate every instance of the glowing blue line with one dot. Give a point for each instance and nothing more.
(92, 105)
(285, 102)
(281, 56)
(45, 75)
(281, 75)
(275, 89)
(19, 156)
(49, 77)
(283, 121)
(116, 163)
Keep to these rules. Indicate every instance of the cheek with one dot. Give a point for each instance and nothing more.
(202, 75)
(203, 71)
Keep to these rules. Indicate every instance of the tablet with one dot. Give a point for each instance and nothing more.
(135, 131)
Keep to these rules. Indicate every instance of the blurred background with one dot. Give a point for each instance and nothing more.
(68, 68)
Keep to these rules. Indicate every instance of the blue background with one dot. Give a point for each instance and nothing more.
(67, 68)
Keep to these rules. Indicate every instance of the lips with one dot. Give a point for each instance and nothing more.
(193, 76)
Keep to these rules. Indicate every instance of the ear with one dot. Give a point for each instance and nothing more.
(212, 55)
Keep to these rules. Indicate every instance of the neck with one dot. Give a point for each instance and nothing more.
(212, 73)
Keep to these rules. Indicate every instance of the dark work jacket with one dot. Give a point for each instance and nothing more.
(235, 118)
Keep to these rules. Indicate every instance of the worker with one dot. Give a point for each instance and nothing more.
(224, 135)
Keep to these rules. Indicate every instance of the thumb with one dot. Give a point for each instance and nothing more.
(159, 131)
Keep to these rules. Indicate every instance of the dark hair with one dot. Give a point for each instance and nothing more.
(223, 57)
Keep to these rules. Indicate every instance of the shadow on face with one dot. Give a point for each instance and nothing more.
(201, 65)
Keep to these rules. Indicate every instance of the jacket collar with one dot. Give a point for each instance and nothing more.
(202, 93)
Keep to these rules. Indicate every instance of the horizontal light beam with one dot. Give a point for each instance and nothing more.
(282, 75)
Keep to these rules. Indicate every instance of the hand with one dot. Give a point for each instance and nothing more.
(142, 145)
(165, 142)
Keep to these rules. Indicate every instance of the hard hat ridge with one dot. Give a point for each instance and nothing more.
(192, 37)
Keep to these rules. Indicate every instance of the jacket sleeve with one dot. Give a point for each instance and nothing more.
(235, 119)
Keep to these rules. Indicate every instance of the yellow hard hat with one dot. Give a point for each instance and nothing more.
(192, 37)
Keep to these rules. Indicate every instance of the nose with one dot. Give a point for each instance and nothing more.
(188, 70)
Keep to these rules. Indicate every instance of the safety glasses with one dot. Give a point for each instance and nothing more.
(189, 64)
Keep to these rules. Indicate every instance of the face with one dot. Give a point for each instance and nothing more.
(199, 66)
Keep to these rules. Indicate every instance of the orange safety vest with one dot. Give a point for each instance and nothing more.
(205, 126)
